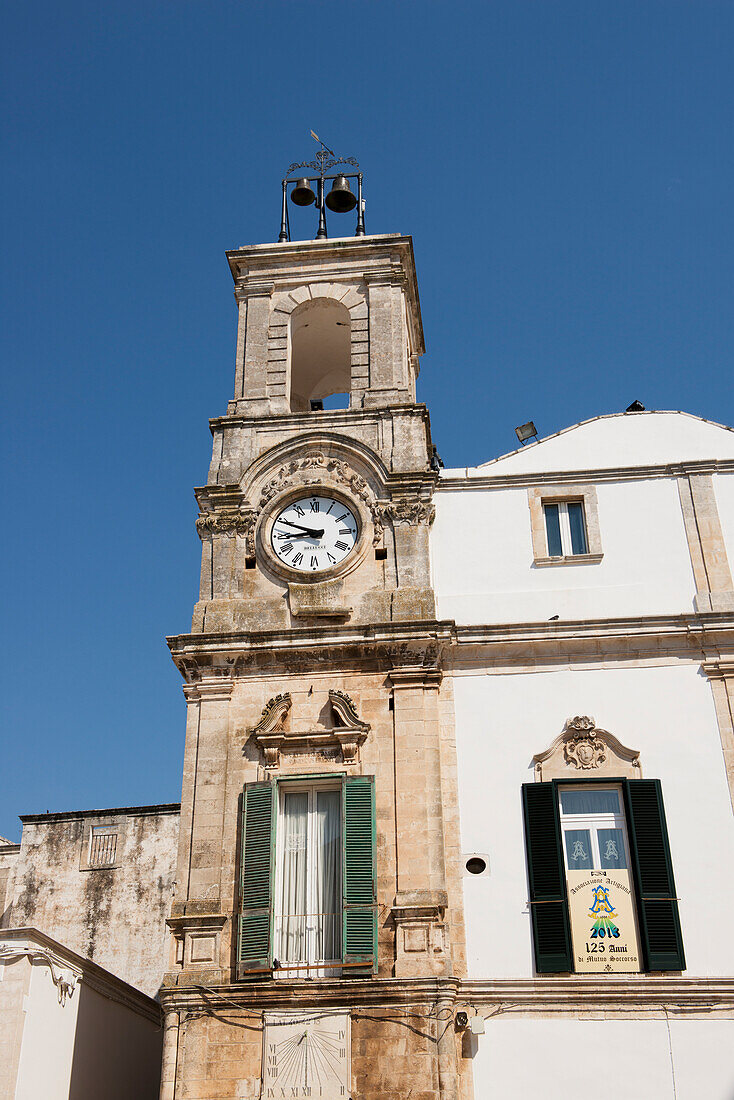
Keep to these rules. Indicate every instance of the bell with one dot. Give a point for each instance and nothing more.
(340, 199)
(302, 195)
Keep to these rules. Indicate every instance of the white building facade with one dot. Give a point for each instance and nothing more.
(588, 583)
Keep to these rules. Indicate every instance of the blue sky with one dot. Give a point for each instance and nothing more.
(565, 170)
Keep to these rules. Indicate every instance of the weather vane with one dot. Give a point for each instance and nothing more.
(340, 198)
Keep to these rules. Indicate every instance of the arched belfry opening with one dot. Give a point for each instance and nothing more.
(320, 346)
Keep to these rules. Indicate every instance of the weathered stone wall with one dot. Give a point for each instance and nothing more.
(8, 859)
(395, 1053)
(114, 915)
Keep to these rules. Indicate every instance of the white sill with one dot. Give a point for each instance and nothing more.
(570, 559)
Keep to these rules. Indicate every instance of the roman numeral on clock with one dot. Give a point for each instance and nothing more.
(314, 561)
(346, 531)
(298, 558)
(341, 545)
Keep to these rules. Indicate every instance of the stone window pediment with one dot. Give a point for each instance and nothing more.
(584, 748)
(278, 732)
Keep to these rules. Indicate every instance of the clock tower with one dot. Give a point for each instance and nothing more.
(316, 930)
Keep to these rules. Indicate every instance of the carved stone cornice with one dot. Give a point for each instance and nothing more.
(419, 905)
(198, 922)
(208, 690)
(718, 669)
(582, 747)
(632, 996)
(402, 678)
(424, 644)
(452, 481)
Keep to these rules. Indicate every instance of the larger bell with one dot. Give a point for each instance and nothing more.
(302, 195)
(340, 199)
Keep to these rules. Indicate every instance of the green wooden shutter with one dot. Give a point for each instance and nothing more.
(359, 927)
(254, 939)
(547, 880)
(657, 907)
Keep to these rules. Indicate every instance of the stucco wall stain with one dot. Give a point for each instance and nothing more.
(97, 902)
(27, 900)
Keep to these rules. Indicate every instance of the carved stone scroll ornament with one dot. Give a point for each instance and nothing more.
(270, 730)
(583, 747)
(349, 730)
(406, 512)
(313, 470)
(229, 522)
(346, 733)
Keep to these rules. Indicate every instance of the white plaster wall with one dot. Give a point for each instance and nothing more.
(482, 558)
(724, 491)
(117, 1054)
(666, 713)
(609, 1059)
(47, 1046)
(622, 439)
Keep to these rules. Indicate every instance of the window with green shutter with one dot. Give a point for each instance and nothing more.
(307, 881)
(257, 837)
(359, 912)
(657, 902)
(593, 830)
(547, 880)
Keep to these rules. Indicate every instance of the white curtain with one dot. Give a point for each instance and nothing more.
(328, 876)
(291, 935)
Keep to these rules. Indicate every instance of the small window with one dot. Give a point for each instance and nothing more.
(102, 846)
(565, 527)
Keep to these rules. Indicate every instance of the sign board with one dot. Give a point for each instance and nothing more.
(603, 922)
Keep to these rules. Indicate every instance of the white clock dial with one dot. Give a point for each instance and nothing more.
(306, 1056)
(314, 533)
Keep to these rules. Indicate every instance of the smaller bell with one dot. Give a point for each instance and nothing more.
(302, 195)
(340, 199)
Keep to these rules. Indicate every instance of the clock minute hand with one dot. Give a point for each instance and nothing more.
(299, 526)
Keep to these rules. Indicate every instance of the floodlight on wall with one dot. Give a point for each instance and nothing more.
(340, 199)
(526, 431)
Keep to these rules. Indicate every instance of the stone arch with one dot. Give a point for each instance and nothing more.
(331, 307)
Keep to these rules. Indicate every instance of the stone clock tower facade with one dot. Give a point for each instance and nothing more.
(316, 929)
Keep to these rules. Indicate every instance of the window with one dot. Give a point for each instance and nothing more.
(564, 525)
(592, 824)
(565, 528)
(102, 845)
(307, 878)
(594, 828)
(308, 894)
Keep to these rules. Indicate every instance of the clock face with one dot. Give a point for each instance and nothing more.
(314, 533)
(306, 1056)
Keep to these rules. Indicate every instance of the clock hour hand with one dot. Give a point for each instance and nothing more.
(309, 530)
